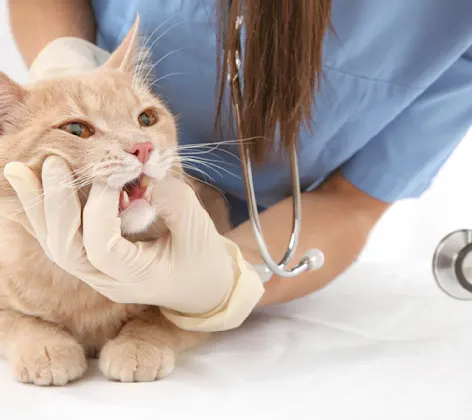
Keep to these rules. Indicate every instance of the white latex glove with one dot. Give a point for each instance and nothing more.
(197, 275)
(66, 56)
(193, 271)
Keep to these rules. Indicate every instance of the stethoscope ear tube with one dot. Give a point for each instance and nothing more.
(313, 258)
(452, 264)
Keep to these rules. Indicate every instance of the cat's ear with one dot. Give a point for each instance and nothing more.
(124, 57)
(11, 94)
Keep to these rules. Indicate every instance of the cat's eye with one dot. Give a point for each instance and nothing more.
(78, 129)
(147, 118)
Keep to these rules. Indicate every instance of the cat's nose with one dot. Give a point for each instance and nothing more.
(141, 150)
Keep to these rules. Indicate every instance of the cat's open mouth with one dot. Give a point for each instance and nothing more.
(138, 189)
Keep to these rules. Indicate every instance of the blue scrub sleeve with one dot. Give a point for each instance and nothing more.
(403, 159)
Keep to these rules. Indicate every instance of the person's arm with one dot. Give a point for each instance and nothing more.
(336, 218)
(35, 24)
(399, 163)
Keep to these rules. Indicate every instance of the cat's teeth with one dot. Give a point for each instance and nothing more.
(145, 181)
(125, 199)
(148, 193)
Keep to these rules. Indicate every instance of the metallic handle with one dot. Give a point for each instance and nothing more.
(452, 264)
(314, 258)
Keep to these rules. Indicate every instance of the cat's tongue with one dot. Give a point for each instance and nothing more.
(137, 191)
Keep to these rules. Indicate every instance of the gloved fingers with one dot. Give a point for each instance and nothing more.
(106, 249)
(30, 193)
(62, 213)
(182, 211)
(103, 284)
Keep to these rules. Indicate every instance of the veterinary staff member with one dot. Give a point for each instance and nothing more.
(386, 88)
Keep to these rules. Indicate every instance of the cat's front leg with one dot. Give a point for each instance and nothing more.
(39, 352)
(146, 348)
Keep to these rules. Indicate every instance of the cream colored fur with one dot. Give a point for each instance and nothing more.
(50, 322)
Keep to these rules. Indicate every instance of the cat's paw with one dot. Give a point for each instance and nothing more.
(132, 360)
(49, 364)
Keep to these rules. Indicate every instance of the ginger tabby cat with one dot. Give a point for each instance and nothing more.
(105, 123)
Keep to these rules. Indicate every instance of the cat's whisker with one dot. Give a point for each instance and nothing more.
(149, 48)
(206, 165)
(40, 199)
(84, 172)
(166, 76)
(84, 183)
(57, 188)
(219, 143)
(146, 50)
(74, 190)
(176, 176)
(208, 161)
(211, 152)
(200, 152)
(79, 172)
(211, 159)
(75, 173)
(233, 155)
(193, 168)
(159, 37)
(187, 164)
(99, 164)
(183, 150)
(74, 187)
(162, 58)
(219, 190)
(67, 198)
(98, 169)
(80, 178)
(145, 47)
(211, 165)
(67, 180)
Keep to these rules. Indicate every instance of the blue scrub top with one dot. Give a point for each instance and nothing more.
(395, 101)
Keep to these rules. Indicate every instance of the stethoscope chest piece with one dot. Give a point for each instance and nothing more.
(452, 264)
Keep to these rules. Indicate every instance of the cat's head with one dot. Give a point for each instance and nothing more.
(106, 123)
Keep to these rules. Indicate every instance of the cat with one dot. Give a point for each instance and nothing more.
(110, 127)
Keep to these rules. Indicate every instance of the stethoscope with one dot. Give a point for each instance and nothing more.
(313, 259)
(452, 259)
(452, 264)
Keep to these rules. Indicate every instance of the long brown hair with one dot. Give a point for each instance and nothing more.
(282, 65)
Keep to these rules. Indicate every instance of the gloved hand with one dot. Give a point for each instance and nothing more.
(198, 276)
(66, 56)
